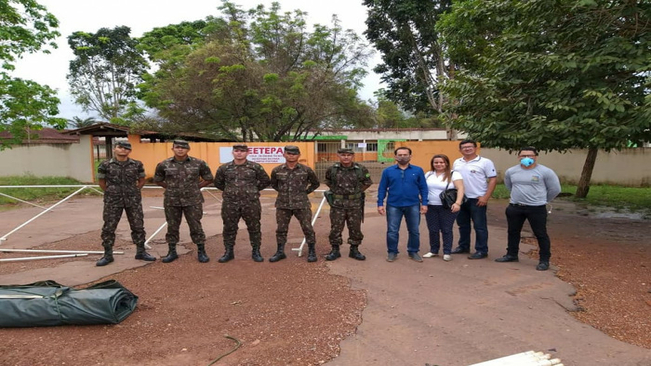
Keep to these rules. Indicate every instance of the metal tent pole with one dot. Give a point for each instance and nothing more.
(42, 257)
(316, 215)
(154, 234)
(42, 213)
(19, 200)
(55, 251)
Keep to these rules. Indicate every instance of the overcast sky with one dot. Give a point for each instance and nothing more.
(144, 15)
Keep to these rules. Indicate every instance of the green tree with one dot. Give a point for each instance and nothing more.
(25, 27)
(105, 71)
(163, 44)
(413, 64)
(556, 75)
(388, 114)
(256, 75)
(78, 122)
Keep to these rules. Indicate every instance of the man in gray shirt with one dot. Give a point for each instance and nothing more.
(532, 186)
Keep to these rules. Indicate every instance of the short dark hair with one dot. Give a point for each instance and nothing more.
(468, 141)
(395, 152)
(528, 148)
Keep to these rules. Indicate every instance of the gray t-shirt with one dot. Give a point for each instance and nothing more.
(532, 187)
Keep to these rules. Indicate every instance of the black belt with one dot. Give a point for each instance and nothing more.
(347, 196)
(521, 205)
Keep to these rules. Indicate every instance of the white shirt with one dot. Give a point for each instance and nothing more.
(436, 185)
(475, 174)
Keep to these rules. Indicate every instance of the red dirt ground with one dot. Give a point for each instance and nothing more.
(296, 313)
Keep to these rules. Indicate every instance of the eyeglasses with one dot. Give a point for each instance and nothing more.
(467, 147)
(527, 156)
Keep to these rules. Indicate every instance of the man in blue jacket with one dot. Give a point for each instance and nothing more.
(406, 188)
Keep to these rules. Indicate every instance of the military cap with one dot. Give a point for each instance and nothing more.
(345, 151)
(124, 144)
(241, 147)
(181, 143)
(291, 149)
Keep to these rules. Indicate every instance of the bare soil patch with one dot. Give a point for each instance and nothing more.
(286, 313)
(608, 261)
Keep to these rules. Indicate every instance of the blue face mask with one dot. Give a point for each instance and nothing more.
(527, 162)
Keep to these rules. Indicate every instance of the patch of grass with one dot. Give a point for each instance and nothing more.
(501, 192)
(617, 197)
(620, 198)
(37, 194)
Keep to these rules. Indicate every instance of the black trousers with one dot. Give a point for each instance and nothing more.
(537, 217)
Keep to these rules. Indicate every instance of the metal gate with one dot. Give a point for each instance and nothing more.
(373, 155)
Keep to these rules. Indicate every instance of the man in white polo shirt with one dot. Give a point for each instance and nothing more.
(479, 181)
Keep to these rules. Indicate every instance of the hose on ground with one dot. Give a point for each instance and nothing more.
(237, 345)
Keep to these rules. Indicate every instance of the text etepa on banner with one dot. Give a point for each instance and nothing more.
(258, 154)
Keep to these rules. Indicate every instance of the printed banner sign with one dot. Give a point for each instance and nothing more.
(258, 154)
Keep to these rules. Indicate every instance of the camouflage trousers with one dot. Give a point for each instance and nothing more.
(351, 216)
(193, 215)
(231, 215)
(304, 217)
(112, 215)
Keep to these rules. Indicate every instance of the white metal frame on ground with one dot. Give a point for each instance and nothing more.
(529, 358)
(299, 250)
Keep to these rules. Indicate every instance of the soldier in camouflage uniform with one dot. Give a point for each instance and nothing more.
(121, 179)
(294, 181)
(183, 176)
(241, 180)
(347, 182)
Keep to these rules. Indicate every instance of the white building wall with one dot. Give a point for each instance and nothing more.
(629, 167)
(48, 160)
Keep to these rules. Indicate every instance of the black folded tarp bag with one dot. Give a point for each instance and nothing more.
(48, 303)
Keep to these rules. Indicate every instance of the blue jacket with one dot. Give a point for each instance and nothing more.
(403, 186)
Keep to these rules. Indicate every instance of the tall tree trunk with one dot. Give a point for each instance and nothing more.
(586, 173)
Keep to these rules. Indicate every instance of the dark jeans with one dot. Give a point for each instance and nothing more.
(537, 216)
(440, 220)
(394, 218)
(470, 211)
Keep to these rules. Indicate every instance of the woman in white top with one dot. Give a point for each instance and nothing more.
(440, 219)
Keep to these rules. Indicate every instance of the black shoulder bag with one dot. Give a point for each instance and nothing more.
(449, 196)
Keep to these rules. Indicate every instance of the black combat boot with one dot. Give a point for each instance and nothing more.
(107, 258)
(354, 253)
(311, 252)
(201, 253)
(171, 254)
(142, 255)
(334, 253)
(280, 254)
(255, 254)
(228, 255)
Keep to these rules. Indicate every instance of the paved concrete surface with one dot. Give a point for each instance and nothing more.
(466, 311)
(438, 313)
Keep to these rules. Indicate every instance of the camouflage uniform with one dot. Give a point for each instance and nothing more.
(122, 193)
(183, 196)
(293, 186)
(241, 199)
(347, 187)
